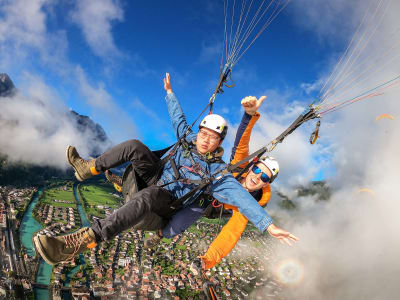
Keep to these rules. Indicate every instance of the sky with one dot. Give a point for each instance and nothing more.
(107, 58)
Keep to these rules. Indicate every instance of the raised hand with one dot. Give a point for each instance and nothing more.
(251, 104)
(167, 84)
(282, 235)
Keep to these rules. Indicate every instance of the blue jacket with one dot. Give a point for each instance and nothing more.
(226, 190)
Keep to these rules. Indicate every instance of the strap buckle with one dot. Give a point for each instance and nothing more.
(196, 168)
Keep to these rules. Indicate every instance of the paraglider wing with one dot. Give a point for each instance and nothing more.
(366, 190)
(384, 116)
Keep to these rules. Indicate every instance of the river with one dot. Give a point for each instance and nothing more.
(29, 226)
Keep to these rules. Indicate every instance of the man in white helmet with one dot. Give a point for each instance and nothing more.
(256, 181)
(171, 184)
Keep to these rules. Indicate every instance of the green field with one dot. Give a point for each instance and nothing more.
(59, 194)
(99, 194)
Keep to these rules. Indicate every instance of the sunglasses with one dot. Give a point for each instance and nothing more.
(264, 177)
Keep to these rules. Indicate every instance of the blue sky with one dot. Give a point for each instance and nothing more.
(106, 59)
(149, 38)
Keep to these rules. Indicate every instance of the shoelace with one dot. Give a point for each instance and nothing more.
(155, 239)
(75, 240)
(117, 179)
(114, 178)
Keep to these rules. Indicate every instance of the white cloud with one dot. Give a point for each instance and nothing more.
(27, 42)
(95, 18)
(37, 127)
(348, 245)
(24, 21)
(105, 108)
(96, 96)
(329, 20)
(24, 34)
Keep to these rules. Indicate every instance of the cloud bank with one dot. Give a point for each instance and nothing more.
(349, 246)
(38, 127)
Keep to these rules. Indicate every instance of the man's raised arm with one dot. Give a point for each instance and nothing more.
(175, 111)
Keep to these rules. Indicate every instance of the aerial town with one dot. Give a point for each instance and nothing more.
(122, 268)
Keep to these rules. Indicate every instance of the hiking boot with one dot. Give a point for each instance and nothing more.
(56, 249)
(152, 240)
(84, 169)
(196, 266)
(115, 180)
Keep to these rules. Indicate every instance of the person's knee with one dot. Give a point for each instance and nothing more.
(134, 147)
(134, 144)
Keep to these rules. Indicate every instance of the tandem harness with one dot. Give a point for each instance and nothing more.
(196, 168)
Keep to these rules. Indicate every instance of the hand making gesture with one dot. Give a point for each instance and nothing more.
(251, 104)
(167, 84)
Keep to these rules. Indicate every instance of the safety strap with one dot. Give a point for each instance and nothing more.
(304, 117)
(178, 202)
(208, 287)
(231, 168)
(248, 166)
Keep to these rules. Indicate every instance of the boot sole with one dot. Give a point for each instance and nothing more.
(39, 249)
(76, 171)
(110, 179)
(194, 270)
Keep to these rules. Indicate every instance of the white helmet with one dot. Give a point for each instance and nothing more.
(216, 123)
(272, 164)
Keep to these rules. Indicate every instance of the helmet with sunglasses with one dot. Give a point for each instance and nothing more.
(216, 123)
(272, 164)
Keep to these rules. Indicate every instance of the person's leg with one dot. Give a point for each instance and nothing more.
(178, 223)
(145, 161)
(182, 220)
(151, 199)
(56, 249)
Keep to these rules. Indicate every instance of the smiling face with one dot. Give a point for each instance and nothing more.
(252, 182)
(207, 140)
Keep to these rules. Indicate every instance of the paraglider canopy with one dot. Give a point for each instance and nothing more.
(366, 190)
(384, 116)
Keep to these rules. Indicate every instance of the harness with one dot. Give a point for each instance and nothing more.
(201, 184)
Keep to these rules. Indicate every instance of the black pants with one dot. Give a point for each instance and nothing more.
(145, 161)
(151, 199)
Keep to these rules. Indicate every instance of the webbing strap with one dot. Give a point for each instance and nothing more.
(258, 153)
(249, 165)
(196, 166)
(178, 202)
(300, 120)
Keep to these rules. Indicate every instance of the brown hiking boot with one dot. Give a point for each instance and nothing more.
(152, 240)
(115, 180)
(84, 169)
(197, 266)
(56, 249)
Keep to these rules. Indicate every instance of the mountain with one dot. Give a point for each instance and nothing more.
(320, 189)
(97, 133)
(7, 87)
